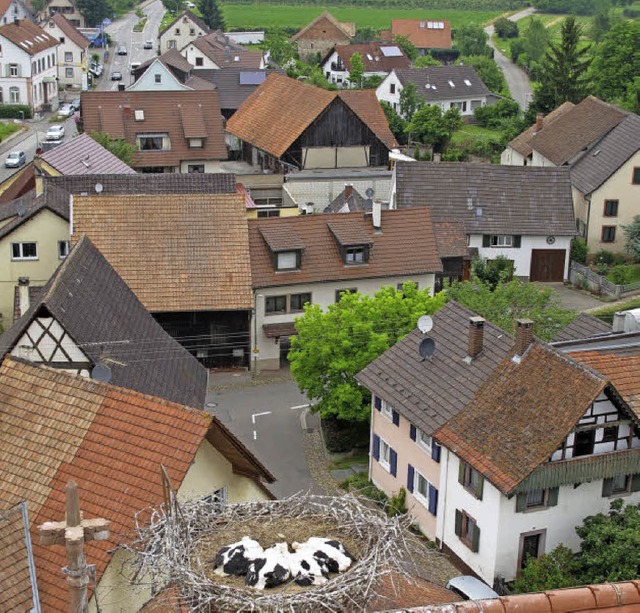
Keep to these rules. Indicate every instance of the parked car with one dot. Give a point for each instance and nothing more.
(135, 66)
(55, 133)
(75, 103)
(96, 68)
(66, 110)
(148, 44)
(122, 50)
(470, 588)
(15, 159)
(116, 76)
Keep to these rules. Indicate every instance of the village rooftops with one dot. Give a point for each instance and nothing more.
(28, 36)
(376, 57)
(347, 29)
(424, 33)
(435, 83)
(582, 327)
(69, 30)
(226, 54)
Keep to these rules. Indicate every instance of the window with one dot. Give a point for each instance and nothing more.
(287, 260)
(385, 455)
(621, 484)
(276, 304)
(583, 442)
(611, 208)
(470, 479)
(177, 32)
(636, 176)
(153, 142)
(424, 440)
(608, 234)
(355, 255)
(392, 88)
(192, 31)
(34, 68)
(386, 410)
(531, 546)
(610, 434)
(171, 44)
(63, 249)
(502, 240)
(467, 530)
(68, 56)
(68, 73)
(199, 61)
(13, 70)
(339, 292)
(24, 251)
(195, 169)
(535, 500)
(219, 497)
(424, 492)
(157, 78)
(297, 301)
(195, 143)
(268, 213)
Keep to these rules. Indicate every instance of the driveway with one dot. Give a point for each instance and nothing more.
(574, 299)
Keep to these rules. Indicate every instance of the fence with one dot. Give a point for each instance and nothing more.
(584, 276)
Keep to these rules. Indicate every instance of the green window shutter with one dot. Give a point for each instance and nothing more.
(521, 502)
(461, 466)
(486, 240)
(635, 483)
(552, 499)
(480, 487)
(475, 539)
(458, 529)
(607, 487)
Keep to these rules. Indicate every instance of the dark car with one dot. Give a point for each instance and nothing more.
(116, 76)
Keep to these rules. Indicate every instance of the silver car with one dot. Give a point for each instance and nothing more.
(15, 159)
(66, 110)
(470, 588)
(55, 133)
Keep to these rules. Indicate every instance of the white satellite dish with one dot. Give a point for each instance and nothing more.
(98, 188)
(425, 324)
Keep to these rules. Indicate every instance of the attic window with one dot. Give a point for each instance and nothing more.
(139, 114)
(422, 25)
(195, 143)
(356, 255)
(236, 58)
(369, 57)
(467, 82)
(288, 260)
(451, 84)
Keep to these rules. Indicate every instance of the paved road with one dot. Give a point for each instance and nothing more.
(121, 32)
(517, 79)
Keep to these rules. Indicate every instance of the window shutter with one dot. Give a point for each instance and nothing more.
(376, 447)
(395, 416)
(377, 402)
(410, 478)
(486, 240)
(607, 487)
(412, 432)
(517, 241)
(458, 527)
(433, 500)
(521, 502)
(435, 451)
(635, 483)
(393, 462)
(475, 539)
(461, 467)
(480, 487)
(552, 499)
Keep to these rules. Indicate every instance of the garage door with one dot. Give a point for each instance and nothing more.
(547, 264)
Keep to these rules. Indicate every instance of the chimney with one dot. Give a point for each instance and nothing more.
(618, 321)
(23, 291)
(377, 215)
(524, 335)
(348, 191)
(476, 336)
(539, 119)
(227, 53)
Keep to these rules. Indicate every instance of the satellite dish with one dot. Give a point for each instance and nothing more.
(99, 188)
(425, 324)
(427, 347)
(101, 372)
(370, 192)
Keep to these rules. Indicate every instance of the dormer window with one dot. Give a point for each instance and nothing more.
(285, 245)
(288, 260)
(356, 255)
(353, 240)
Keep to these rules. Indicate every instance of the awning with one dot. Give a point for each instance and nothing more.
(277, 330)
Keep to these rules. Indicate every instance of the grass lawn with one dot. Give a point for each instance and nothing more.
(261, 16)
(356, 460)
(7, 129)
(606, 313)
(635, 277)
(469, 131)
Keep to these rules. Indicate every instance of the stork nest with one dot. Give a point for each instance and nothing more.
(178, 546)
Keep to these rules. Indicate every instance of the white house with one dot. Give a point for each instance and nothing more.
(181, 31)
(446, 86)
(72, 53)
(12, 10)
(216, 51)
(28, 66)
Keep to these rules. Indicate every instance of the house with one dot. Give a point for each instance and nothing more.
(321, 35)
(322, 129)
(81, 156)
(68, 8)
(196, 281)
(522, 213)
(186, 28)
(29, 69)
(314, 258)
(445, 86)
(72, 54)
(111, 441)
(172, 131)
(379, 60)
(425, 34)
(10, 10)
(216, 51)
(101, 322)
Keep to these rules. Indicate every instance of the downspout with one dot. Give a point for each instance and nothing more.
(586, 232)
(444, 500)
(254, 314)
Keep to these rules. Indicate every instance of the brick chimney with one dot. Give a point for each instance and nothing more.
(23, 295)
(476, 336)
(348, 191)
(524, 335)
(539, 120)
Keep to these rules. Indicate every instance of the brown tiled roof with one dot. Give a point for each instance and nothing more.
(114, 113)
(184, 247)
(406, 246)
(521, 414)
(193, 122)
(278, 330)
(234, 56)
(396, 591)
(490, 199)
(83, 155)
(423, 37)
(583, 326)
(261, 122)
(111, 441)
(70, 31)
(28, 36)
(350, 231)
(451, 239)
(413, 386)
(192, 16)
(346, 29)
(373, 58)
(522, 142)
(281, 238)
(18, 184)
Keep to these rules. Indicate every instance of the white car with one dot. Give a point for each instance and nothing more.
(66, 110)
(470, 588)
(55, 133)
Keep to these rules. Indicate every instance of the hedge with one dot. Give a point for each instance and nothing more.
(15, 111)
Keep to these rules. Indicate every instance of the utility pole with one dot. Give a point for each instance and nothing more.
(73, 534)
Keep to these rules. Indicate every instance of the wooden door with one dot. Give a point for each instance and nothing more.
(547, 265)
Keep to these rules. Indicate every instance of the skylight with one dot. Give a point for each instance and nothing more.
(451, 83)
(393, 51)
(467, 82)
(369, 57)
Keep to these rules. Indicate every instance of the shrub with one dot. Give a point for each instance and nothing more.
(499, 270)
(605, 257)
(340, 435)
(15, 111)
(506, 28)
(579, 250)
(621, 274)
(397, 503)
(550, 571)
(360, 482)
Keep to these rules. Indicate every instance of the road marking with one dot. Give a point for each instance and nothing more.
(300, 406)
(253, 417)
(255, 435)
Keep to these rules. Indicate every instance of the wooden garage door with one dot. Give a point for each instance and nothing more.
(547, 264)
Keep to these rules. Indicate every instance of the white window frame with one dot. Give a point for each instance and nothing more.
(386, 409)
(68, 73)
(68, 56)
(21, 257)
(422, 499)
(14, 95)
(501, 240)
(385, 455)
(283, 259)
(63, 249)
(420, 440)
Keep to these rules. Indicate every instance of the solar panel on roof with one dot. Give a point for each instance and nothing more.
(252, 78)
(391, 51)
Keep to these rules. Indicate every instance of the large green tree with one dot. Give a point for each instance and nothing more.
(211, 14)
(123, 150)
(431, 126)
(408, 48)
(409, 101)
(280, 49)
(94, 11)
(489, 72)
(535, 40)
(334, 345)
(396, 123)
(564, 70)
(632, 234)
(471, 39)
(356, 71)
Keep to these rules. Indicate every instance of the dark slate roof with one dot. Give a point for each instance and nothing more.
(231, 92)
(607, 155)
(430, 392)
(104, 317)
(349, 204)
(583, 326)
(490, 199)
(439, 79)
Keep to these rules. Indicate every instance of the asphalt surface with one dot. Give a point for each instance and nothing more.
(517, 79)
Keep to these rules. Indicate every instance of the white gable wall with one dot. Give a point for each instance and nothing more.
(15, 10)
(194, 55)
(72, 69)
(180, 34)
(149, 80)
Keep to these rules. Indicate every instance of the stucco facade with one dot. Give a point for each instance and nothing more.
(179, 34)
(72, 60)
(68, 8)
(157, 77)
(15, 10)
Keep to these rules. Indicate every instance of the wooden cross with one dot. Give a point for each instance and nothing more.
(73, 534)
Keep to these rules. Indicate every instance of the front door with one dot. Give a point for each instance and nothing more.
(531, 546)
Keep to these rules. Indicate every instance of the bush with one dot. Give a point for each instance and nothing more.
(579, 250)
(506, 28)
(360, 483)
(499, 270)
(605, 257)
(340, 435)
(621, 274)
(492, 116)
(15, 111)
(397, 503)
(550, 571)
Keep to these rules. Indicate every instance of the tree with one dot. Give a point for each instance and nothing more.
(396, 123)
(431, 126)
(601, 20)
(632, 234)
(550, 571)
(332, 346)
(564, 70)
(511, 301)
(535, 40)
(211, 14)
(471, 39)
(123, 150)
(94, 11)
(365, 35)
(280, 49)
(505, 28)
(488, 71)
(426, 60)
(356, 71)
(408, 48)
(499, 270)
(409, 101)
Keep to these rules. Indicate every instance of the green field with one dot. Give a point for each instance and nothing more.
(261, 16)
(7, 129)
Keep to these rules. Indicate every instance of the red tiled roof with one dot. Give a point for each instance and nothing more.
(227, 56)
(340, 29)
(28, 36)
(419, 33)
(69, 31)
(373, 58)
